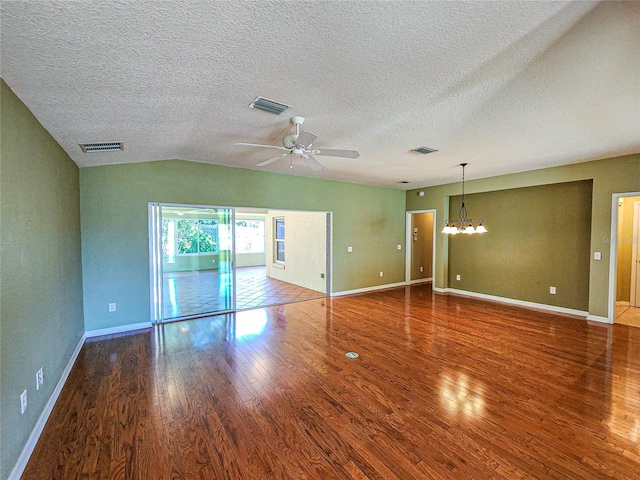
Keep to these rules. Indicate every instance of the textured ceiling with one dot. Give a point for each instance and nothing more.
(504, 86)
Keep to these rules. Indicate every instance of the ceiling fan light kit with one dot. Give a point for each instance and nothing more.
(463, 224)
(299, 145)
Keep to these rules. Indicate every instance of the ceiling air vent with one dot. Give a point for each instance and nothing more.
(269, 106)
(424, 150)
(102, 147)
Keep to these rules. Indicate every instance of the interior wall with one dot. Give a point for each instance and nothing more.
(305, 249)
(538, 237)
(115, 245)
(613, 175)
(421, 245)
(625, 248)
(41, 318)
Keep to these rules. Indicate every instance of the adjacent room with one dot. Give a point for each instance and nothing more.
(323, 240)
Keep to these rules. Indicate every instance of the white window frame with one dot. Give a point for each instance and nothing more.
(277, 241)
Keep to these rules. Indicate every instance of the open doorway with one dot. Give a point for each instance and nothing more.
(281, 257)
(420, 246)
(627, 257)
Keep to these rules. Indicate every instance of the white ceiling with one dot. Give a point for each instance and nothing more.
(505, 86)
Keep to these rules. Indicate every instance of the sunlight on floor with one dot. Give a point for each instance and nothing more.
(626, 315)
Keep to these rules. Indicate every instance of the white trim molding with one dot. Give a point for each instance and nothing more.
(512, 301)
(420, 280)
(120, 329)
(596, 318)
(23, 459)
(368, 289)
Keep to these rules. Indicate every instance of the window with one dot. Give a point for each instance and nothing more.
(279, 240)
(187, 236)
(249, 236)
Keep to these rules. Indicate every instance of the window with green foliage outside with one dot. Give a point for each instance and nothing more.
(189, 236)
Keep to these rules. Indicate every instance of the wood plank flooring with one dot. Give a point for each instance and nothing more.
(445, 387)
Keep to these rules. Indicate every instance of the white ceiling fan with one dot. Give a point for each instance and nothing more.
(299, 145)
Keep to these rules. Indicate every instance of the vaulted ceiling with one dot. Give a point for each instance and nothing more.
(505, 86)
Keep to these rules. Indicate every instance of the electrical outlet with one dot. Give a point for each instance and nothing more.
(322, 275)
(422, 269)
(552, 290)
(382, 274)
(23, 402)
(597, 255)
(112, 307)
(349, 249)
(458, 277)
(399, 247)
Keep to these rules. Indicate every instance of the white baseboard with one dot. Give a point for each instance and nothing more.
(120, 329)
(421, 280)
(439, 290)
(23, 459)
(512, 301)
(596, 318)
(367, 289)
(623, 304)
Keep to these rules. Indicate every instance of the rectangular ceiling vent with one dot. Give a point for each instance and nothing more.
(424, 150)
(102, 147)
(269, 106)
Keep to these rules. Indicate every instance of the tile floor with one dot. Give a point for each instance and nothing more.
(206, 291)
(628, 315)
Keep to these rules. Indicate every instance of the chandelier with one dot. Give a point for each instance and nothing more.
(463, 224)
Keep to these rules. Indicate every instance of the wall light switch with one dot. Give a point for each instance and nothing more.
(597, 255)
(349, 249)
(457, 277)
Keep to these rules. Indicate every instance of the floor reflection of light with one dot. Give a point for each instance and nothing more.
(460, 395)
(251, 322)
(172, 297)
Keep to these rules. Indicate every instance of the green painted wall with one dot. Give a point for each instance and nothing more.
(533, 243)
(115, 245)
(614, 175)
(41, 318)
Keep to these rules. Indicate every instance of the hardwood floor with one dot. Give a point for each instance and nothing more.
(445, 387)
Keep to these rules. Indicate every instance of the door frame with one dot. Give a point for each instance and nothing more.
(635, 250)
(613, 252)
(409, 245)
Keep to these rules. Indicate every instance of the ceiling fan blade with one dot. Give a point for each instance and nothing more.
(271, 160)
(306, 139)
(312, 163)
(258, 145)
(337, 153)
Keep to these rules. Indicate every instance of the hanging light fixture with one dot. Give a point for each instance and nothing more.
(462, 224)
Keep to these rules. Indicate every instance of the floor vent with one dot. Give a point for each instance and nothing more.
(102, 147)
(269, 106)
